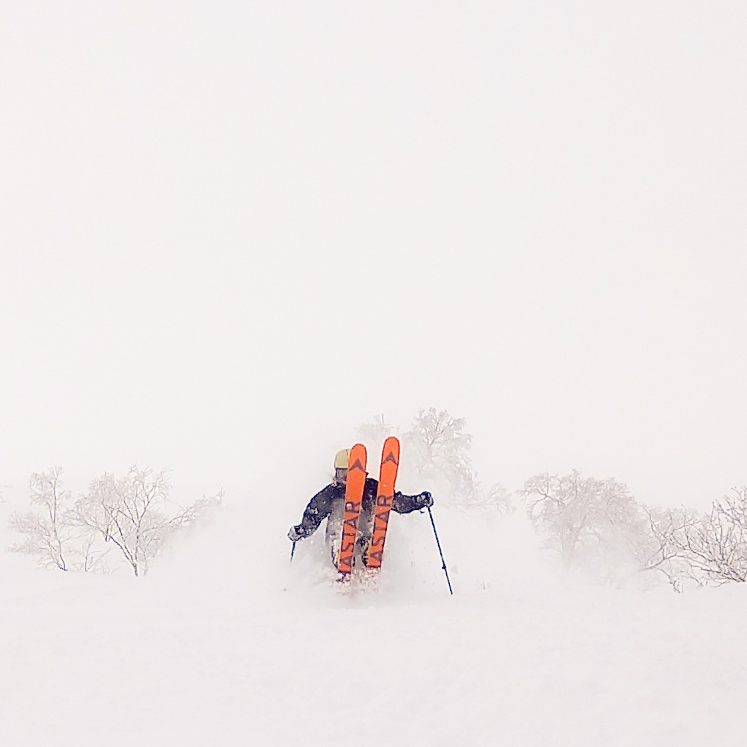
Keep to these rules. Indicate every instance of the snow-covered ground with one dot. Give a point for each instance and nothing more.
(227, 643)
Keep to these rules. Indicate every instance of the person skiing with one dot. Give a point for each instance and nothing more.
(329, 503)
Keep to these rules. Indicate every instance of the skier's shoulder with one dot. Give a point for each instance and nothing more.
(329, 492)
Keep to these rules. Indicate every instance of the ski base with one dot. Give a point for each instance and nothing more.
(384, 501)
(356, 482)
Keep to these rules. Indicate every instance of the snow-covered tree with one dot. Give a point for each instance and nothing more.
(709, 548)
(500, 499)
(132, 513)
(436, 455)
(665, 552)
(438, 451)
(47, 534)
(585, 519)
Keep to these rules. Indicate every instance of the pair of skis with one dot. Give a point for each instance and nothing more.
(354, 488)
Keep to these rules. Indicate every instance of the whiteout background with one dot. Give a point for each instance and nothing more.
(231, 232)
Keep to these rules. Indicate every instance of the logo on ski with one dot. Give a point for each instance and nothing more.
(384, 500)
(354, 486)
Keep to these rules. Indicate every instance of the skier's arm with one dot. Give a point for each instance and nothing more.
(317, 510)
(403, 504)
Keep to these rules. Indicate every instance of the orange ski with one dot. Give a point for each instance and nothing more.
(384, 500)
(354, 486)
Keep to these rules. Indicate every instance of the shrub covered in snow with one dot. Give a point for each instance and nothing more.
(132, 515)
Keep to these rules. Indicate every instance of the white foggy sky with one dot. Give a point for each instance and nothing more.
(230, 232)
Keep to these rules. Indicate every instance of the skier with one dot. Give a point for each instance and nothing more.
(329, 503)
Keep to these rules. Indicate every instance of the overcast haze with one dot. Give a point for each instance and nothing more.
(230, 232)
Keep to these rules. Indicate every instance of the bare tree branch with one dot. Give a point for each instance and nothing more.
(129, 514)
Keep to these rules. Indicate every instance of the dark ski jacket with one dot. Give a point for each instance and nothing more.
(332, 497)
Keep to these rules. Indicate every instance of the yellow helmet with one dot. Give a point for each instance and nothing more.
(341, 459)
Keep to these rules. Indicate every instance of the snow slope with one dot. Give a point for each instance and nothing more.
(227, 643)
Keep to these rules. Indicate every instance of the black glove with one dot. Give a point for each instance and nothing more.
(294, 534)
(425, 499)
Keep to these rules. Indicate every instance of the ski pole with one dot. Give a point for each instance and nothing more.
(293, 549)
(440, 552)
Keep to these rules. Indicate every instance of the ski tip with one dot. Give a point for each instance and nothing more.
(390, 452)
(358, 457)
